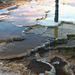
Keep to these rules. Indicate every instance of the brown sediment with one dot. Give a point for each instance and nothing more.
(14, 2)
(15, 68)
(42, 17)
(5, 5)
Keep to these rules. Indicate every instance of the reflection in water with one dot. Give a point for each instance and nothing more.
(66, 29)
(62, 30)
(8, 30)
(59, 31)
(26, 14)
(56, 32)
(40, 36)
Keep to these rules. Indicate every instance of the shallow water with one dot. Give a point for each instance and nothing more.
(65, 29)
(56, 32)
(39, 37)
(8, 30)
(31, 42)
(26, 15)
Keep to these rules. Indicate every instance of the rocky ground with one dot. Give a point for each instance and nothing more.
(39, 61)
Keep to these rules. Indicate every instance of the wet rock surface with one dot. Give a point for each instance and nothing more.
(71, 36)
(69, 47)
(73, 57)
(38, 66)
(12, 8)
(58, 42)
(58, 64)
(23, 47)
(70, 50)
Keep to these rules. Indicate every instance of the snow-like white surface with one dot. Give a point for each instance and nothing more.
(25, 15)
(3, 11)
(66, 13)
(6, 9)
